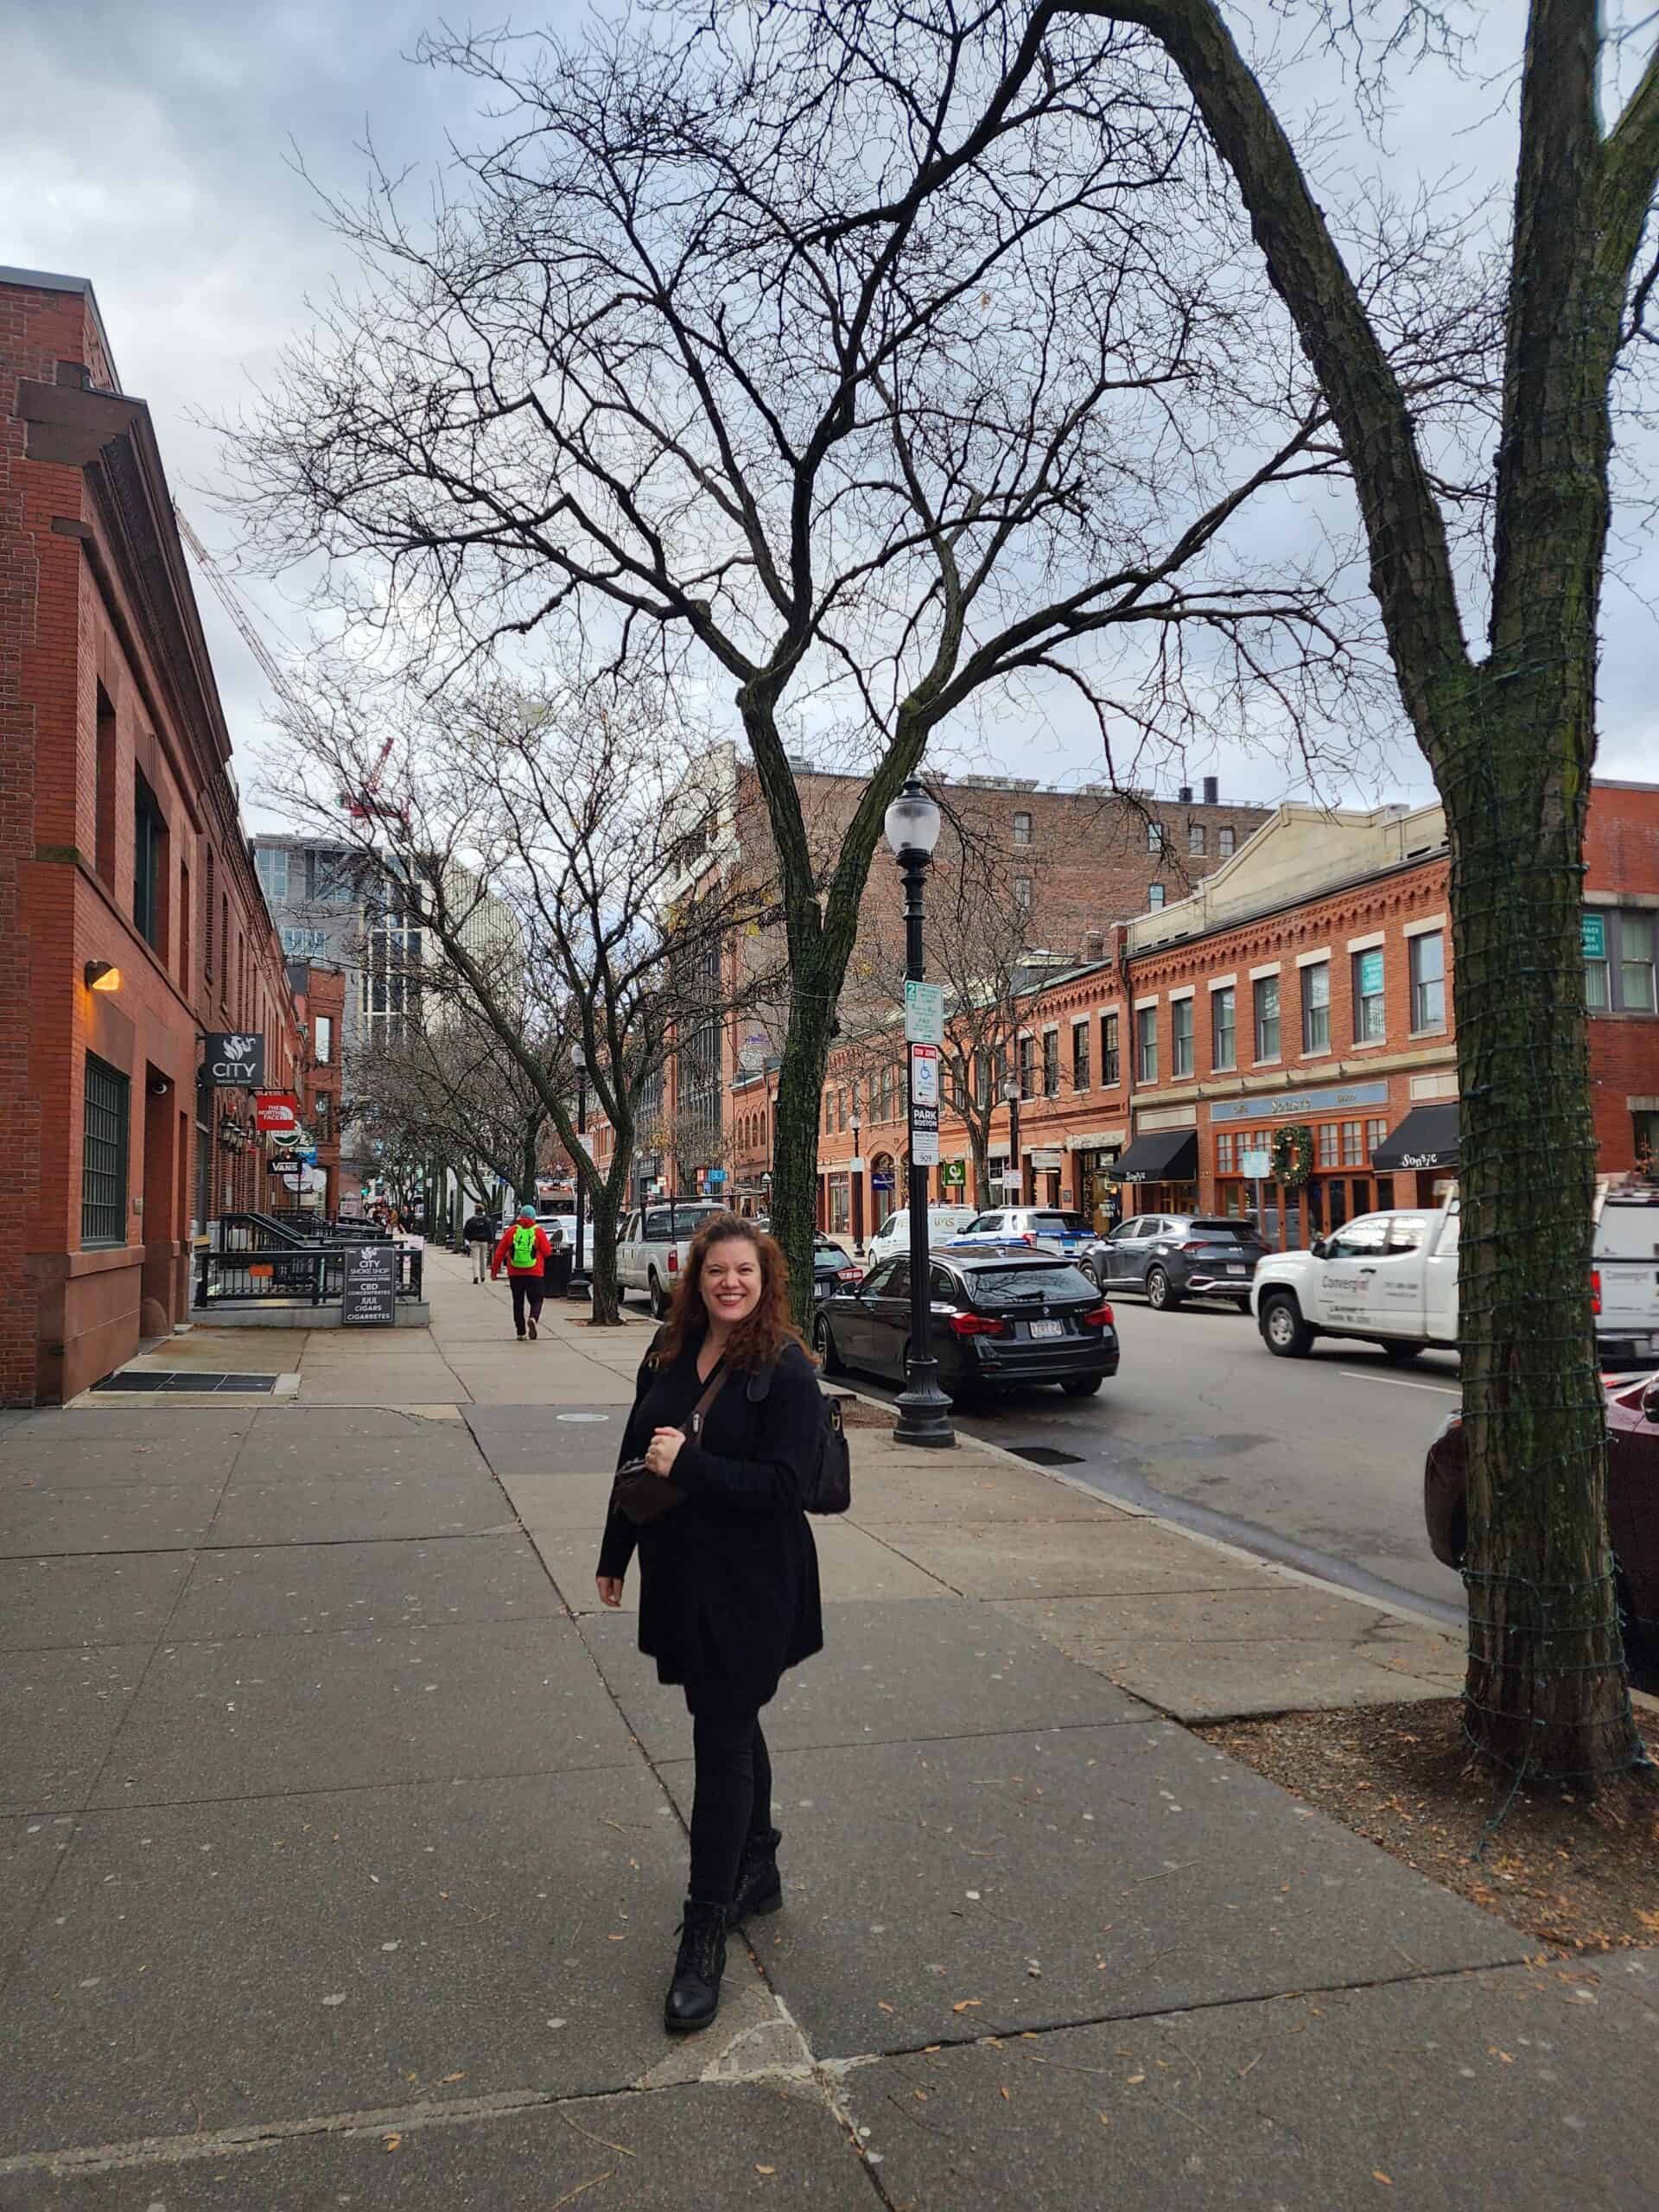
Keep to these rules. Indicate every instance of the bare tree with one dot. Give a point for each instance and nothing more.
(543, 861)
(451, 1092)
(695, 359)
(1507, 727)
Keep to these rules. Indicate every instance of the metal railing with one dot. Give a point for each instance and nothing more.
(278, 1275)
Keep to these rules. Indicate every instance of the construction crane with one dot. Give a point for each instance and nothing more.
(361, 806)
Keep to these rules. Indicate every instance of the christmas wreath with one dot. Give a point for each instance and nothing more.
(1293, 1155)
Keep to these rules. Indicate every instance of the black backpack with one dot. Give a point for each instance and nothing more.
(829, 1484)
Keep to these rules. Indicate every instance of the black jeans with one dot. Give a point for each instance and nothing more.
(527, 1290)
(732, 1799)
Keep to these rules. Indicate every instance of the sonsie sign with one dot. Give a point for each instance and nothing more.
(235, 1059)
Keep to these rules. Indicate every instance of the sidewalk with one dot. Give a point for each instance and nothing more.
(344, 1844)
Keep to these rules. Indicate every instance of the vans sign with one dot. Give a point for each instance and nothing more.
(235, 1059)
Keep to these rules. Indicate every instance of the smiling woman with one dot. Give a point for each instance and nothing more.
(727, 1416)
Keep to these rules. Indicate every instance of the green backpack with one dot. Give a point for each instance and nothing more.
(524, 1247)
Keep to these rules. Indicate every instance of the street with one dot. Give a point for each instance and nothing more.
(1316, 1462)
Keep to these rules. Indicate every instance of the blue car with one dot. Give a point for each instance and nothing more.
(1044, 1227)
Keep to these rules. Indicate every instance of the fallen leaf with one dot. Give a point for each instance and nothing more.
(1377, 2174)
(882, 2005)
(766, 2170)
(391, 2142)
(968, 2005)
(1134, 2078)
(1006, 2097)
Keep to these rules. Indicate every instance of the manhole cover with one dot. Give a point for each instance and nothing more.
(1045, 1455)
(149, 1379)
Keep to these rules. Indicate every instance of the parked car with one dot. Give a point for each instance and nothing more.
(1625, 1277)
(893, 1236)
(652, 1247)
(1632, 1506)
(1068, 1233)
(1173, 1256)
(1390, 1277)
(998, 1318)
(831, 1269)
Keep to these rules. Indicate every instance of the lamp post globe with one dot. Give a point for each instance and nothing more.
(912, 827)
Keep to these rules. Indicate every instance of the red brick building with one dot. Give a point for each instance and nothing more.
(320, 1004)
(131, 922)
(1306, 983)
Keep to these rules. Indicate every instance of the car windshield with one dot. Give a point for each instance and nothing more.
(1013, 1285)
(1069, 1223)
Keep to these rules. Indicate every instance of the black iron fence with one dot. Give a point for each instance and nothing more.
(286, 1274)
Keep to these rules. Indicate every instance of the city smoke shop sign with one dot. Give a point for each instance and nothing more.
(235, 1059)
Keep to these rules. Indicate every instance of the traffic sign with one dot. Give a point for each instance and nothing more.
(924, 1013)
(925, 1078)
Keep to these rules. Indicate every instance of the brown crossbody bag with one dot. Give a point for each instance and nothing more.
(645, 1497)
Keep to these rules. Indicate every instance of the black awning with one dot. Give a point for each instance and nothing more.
(1165, 1156)
(1426, 1138)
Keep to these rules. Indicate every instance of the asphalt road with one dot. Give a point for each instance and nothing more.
(1315, 1462)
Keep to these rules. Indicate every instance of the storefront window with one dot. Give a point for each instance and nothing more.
(1353, 1154)
(1328, 1140)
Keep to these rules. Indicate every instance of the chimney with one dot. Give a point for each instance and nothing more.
(1186, 794)
(1212, 791)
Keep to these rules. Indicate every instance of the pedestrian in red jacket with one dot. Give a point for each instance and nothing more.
(523, 1251)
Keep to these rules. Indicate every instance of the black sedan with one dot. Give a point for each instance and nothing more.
(997, 1318)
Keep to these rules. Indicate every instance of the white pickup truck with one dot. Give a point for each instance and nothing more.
(1391, 1278)
(652, 1247)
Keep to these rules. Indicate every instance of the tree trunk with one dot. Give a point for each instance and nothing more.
(1546, 1691)
(528, 1149)
(601, 1261)
(795, 1138)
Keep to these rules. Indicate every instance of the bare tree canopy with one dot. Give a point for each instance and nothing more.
(696, 362)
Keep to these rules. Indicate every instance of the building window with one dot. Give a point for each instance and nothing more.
(829, 1112)
(1109, 1074)
(1154, 897)
(186, 917)
(1374, 1133)
(1146, 1031)
(149, 866)
(1370, 1019)
(1223, 1030)
(1195, 839)
(1050, 1063)
(1022, 829)
(1154, 837)
(1022, 892)
(104, 1156)
(1079, 1056)
(1225, 841)
(1181, 1037)
(1353, 1154)
(1329, 1139)
(320, 1114)
(325, 1039)
(1635, 963)
(271, 861)
(1224, 1151)
(1027, 1067)
(1428, 981)
(1266, 1018)
(1316, 1008)
(104, 818)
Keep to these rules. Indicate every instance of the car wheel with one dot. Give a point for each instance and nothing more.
(657, 1296)
(1400, 1354)
(1082, 1386)
(824, 1344)
(1283, 1330)
(1161, 1295)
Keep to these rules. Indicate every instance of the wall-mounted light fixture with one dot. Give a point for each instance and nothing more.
(103, 975)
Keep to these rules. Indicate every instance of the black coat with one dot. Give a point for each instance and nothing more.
(728, 1580)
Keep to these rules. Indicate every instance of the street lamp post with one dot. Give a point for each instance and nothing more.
(912, 827)
(1011, 1092)
(856, 1213)
(578, 1271)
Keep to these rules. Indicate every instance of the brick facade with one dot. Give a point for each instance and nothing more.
(120, 842)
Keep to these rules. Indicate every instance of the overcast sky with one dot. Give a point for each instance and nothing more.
(148, 146)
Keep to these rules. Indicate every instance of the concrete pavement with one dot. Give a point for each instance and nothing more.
(344, 1841)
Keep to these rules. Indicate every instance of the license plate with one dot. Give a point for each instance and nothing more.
(1048, 1328)
(1233, 1270)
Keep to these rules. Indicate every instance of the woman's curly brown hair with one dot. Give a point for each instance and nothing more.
(759, 1339)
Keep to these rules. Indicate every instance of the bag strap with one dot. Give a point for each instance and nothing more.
(716, 1384)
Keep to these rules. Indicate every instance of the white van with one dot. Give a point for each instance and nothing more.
(893, 1236)
(1624, 1280)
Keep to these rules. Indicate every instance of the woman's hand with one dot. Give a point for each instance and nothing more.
(664, 1450)
(609, 1587)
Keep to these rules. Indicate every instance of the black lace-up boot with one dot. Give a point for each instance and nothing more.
(694, 1995)
(759, 1886)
